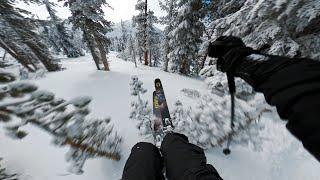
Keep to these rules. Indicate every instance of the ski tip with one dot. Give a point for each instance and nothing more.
(157, 83)
(226, 151)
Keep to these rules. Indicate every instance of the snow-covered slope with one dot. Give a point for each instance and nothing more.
(35, 158)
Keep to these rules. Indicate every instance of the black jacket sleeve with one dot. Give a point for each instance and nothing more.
(293, 86)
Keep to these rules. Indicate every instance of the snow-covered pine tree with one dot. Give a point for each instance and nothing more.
(290, 27)
(170, 7)
(131, 48)
(124, 36)
(19, 39)
(222, 8)
(4, 175)
(88, 15)
(208, 124)
(141, 112)
(58, 34)
(153, 40)
(117, 45)
(140, 22)
(207, 19)
(186, 37)
(66, 121)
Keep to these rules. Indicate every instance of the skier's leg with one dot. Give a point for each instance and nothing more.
(184, 160)
(144, 163)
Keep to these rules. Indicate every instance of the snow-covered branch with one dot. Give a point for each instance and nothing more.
(66, 121)
(208, 124)
(5, 175)
(288, 26)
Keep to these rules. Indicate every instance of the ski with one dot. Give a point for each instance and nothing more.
(162, 120)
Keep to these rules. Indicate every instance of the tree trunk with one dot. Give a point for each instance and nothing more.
(166, 58)
(150, 59)
(140, 57)
(203, 61)
(145, 50)
(134, 57)
(103, 56)
(102, 52)
(184, 67)
(13, 50)
(4, 56)
(92, 48)
(43, 56)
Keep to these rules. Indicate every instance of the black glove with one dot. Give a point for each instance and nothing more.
(230, 51)
(222, 45)
(233, 59)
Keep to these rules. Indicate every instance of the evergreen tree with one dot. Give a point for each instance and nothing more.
(19, 39)
(132, 49)
(89, 17)
(58, 35)
(124, 36)
(171, 9)
(153, 40)
(208, 124)
(141, 111)
(186, 37)
(288, 26)
(140, 21)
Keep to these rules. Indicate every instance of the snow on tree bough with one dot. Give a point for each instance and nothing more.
(66, 121)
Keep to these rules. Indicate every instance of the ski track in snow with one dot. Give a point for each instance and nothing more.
(36, 159)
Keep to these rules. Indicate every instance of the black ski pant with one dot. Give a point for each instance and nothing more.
(181, 159)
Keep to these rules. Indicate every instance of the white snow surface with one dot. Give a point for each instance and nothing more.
(34, 158)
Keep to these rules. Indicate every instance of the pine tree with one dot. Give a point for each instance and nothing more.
(208, 124)
(58, 34)
(66, 121)
(186, 37)
(89, 17)
(153, 40)
(141, 112)
(171, 9)
(288, 26)
(124, 36)
(208, 18)
(18, 38)
(130, 50)
(140, 21)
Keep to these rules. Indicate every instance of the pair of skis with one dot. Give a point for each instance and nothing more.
(162, 123)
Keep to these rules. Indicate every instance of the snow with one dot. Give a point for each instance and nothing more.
(35, 158)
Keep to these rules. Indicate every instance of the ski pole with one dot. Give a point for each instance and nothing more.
(232, 90)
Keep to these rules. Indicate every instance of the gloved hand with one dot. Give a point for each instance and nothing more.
(233, 59)
(230, 51)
